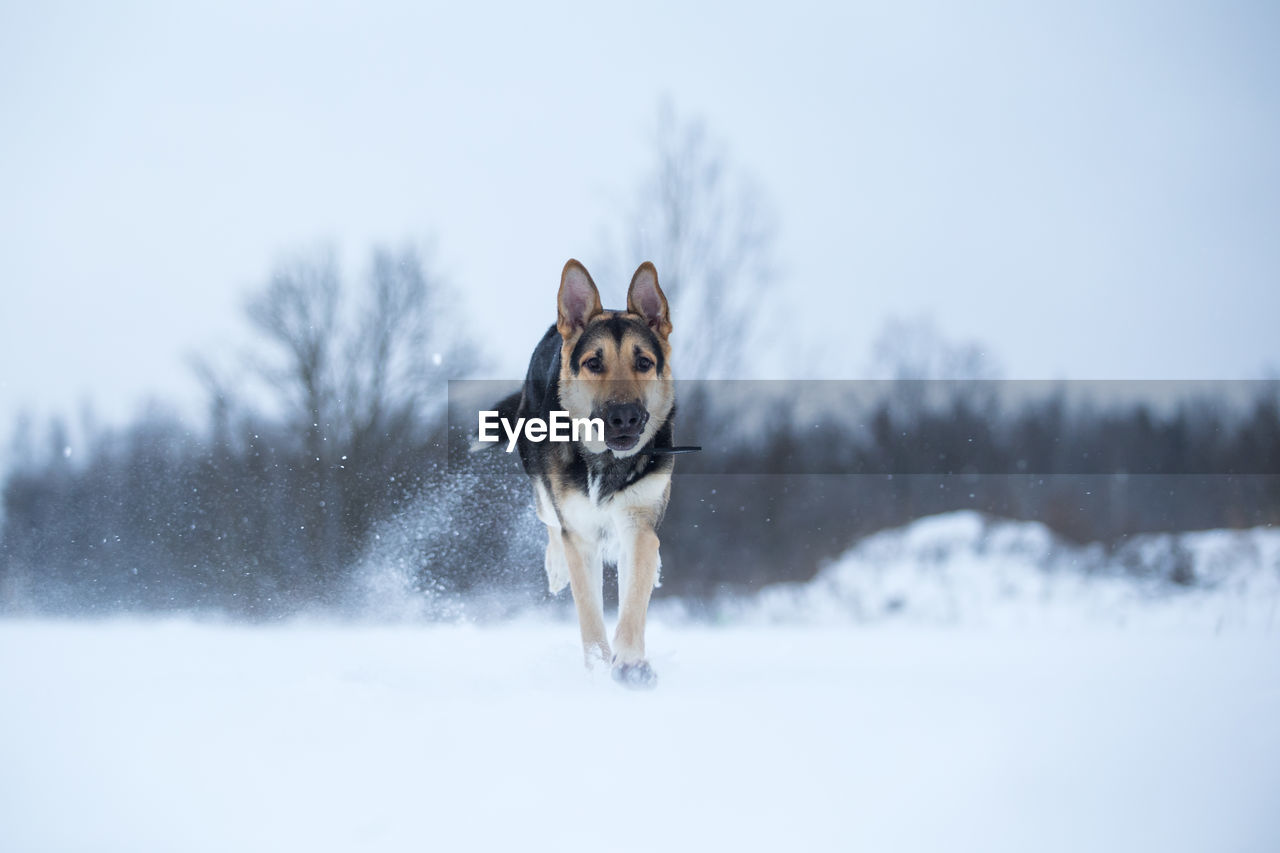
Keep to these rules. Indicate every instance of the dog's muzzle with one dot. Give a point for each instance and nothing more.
(623, 423)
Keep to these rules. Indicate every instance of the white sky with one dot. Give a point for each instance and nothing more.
(1093, 189)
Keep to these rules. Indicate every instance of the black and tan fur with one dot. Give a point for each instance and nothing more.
(603, 501)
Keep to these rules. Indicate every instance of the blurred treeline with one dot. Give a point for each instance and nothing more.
(809, 486)
(326, 429)
(324, 450)
(263, 514)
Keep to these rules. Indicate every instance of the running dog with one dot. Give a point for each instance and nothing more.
(603, 494)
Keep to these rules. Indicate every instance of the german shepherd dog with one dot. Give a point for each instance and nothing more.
(602, 500)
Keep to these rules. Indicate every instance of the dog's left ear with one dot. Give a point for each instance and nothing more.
(645, 298)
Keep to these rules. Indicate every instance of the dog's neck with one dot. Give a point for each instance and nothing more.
(608, 474)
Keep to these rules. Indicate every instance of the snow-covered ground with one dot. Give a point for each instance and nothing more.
(960, 684)
(179, 735)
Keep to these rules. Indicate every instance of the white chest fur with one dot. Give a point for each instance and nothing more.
(612, 523)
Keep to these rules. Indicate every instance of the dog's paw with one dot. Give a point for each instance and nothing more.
(557, 582)
(636, 675)
(597, 656)
(557, 571)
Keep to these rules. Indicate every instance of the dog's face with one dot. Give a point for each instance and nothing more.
(615, 365)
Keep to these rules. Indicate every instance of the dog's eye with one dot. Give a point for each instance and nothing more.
(594, 364)
(643, 363)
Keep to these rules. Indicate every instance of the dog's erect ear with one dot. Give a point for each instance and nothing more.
(645, 298)
(579, 300)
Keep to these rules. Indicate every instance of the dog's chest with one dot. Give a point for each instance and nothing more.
(597, 514)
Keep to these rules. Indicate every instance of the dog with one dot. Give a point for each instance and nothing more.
(603, 495)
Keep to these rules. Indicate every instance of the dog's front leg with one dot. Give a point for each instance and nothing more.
(629, 665)
(586, 580)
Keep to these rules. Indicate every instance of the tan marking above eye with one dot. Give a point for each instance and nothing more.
(642, 361)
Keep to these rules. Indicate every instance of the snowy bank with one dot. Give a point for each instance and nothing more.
(966, 568)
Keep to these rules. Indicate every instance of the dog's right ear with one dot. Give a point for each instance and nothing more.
(579, 300)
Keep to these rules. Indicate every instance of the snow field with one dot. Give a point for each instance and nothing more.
(183, 735)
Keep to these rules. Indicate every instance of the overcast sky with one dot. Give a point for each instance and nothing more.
(1092, 189)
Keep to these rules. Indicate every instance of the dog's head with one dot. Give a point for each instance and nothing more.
(615, 365)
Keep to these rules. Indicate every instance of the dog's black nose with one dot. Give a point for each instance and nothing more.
(621, 417)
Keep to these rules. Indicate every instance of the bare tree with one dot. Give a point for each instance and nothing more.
(710, 229)
(358, 365)
(400, 351)
(359, 374)
(298, 312)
